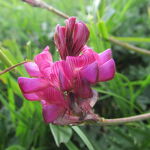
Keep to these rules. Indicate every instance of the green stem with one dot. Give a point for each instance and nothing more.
(103, 121)
(12, 67)
(42, 4)
(129, 46)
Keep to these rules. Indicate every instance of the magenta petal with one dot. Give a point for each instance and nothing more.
(60, 40)
(65, 76)
(80, 37)
(44, 55)
(86, 49)
(82, 88)
(104, 56)
(31, 85)
(71, 38)
(70, 25)
(32, 96)
(107, 70)
(32, 69)
(43, 60)
(51, 112)
(90, 73)
(65, 84)
(54, 76)
(80, 61)
(61, 75)
(52, 95)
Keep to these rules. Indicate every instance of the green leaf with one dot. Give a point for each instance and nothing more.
(83, 137)
(71, 146)
(103, 33)
(5, 60)
(61, 134)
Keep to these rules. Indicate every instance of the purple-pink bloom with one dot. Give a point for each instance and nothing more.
(71, 38)
(64, 87)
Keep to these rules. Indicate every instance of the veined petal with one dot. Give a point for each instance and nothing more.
(86, 49)
(70, 24)
(62, 75)
(80, 61)
(54, 76)
(104, 56)
(101, 58)
(71, 38)
(60, 40)
(80, 37)
(52, 96)
(107, 70)
(82, 88)
(43, 60)
(32, 69)
(90, 52)
(90, 72)
(65, 76)
(32, 97)
(31, 85)
(51, 112)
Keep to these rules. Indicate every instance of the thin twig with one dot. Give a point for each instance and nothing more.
(12, 67)
(42, 4)
(103, 121)
(129, 46)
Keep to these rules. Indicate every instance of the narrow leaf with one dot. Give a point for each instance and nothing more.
(61, 134)
(71, 146)
(83, 137)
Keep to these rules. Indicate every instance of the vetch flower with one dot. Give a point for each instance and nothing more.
(71, 38)
(64, 87)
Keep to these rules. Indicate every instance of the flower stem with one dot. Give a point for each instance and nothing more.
(42, 4)
(12, 67)
(129, 46)
(103, 121)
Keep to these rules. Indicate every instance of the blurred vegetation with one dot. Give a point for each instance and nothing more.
(25, 31)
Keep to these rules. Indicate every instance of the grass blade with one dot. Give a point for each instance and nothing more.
(83, 137)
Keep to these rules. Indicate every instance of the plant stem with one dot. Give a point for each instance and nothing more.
(12, 67)
(103, 121)
(42, 4)
(129, 46)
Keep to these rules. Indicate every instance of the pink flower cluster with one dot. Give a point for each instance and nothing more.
(64, 87)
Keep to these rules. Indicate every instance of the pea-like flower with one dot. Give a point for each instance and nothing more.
(64, 87)
(71, 39)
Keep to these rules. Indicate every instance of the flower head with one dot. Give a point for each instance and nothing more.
(71, 38)
(64, 87)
